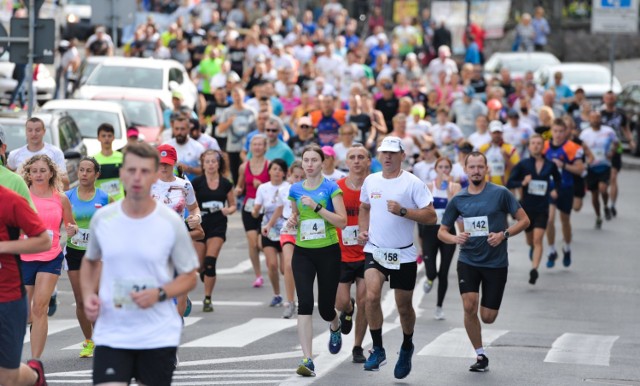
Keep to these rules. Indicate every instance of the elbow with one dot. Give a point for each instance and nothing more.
(342, 222)
(44, 245)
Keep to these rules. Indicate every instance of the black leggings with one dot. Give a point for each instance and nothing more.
(308, 263)
(430, 246)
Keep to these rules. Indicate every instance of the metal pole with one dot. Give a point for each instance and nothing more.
(612, 59)
(114, 25)
(29, 72)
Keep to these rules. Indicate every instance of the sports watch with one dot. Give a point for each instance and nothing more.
(403, 212)
(506, 234)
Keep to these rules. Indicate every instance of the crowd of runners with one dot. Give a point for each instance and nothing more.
(351, 162)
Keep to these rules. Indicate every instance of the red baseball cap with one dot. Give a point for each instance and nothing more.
(168, 154)
(133, 132)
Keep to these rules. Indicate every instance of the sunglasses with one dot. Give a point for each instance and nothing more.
(271, 130)
(429, 149)
(305, 126)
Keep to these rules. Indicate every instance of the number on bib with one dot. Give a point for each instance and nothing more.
(213, 206)
(350, 235)
(387, 257)
(81, 239)
(477, 226)
(122, 289)
(111, 187)
(537, 187)
(273, 234)
(248, 206)
(312, 230)
(497, 168)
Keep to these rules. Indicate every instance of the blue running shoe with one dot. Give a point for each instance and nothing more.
(276, 301)
(552, 259)
(53, 304)
(306, 368)
(377, 358)
(335, 340)
(403, 366)
(187, 311)
(566, 258)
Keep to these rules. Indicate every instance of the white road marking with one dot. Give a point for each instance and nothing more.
(455, 343)
(241, 267)
(250, 358)
(55, 326)
(581, 349)
(244, 334)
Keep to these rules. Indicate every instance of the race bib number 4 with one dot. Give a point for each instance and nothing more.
(477, 226)
(350, 235)
(312, 230)
(537, 187)
(387, 257)
(81, 239)
(122, 289)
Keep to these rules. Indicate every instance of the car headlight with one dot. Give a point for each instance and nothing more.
(72, 18)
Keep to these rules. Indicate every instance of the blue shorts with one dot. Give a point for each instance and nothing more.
(31, 268)
(13, 319)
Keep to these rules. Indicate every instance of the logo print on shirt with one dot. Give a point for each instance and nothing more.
(376, 195)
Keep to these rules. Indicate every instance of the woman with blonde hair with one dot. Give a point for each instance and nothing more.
(545, 118)
(40, 271)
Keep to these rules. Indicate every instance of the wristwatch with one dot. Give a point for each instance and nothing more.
(403, 212)
(318, 208)
(162, 296)
(506, 234)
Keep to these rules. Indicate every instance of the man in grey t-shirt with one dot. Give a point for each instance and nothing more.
(483, 259)
(464, 111)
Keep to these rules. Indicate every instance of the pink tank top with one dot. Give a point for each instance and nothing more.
(248, 178)
(50, 212)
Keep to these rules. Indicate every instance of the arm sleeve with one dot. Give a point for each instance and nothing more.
(364, 195)
(515, 179)
(421, 195)
(259, 195)
(450, 213)
(60, 162)
(512, 204)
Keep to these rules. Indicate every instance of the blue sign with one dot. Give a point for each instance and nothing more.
(615, 3)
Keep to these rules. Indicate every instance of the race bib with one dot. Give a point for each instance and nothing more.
(312, 230)
(111, 187)
(477, 226)
(439, 214)
(122, 289)
(273, 234)
(599, 154)
(350, 235)
(497, 168)
(50, 233)
(213, 206)
(537, 187)
(248, 206)
(81, 238)
(387, 257)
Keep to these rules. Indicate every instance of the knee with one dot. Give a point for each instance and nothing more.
(489, 317)
(305, 307)
(210, 266)
(470, 307)
(272, 264)
(405, 308)
(39, 309)
(328, 313)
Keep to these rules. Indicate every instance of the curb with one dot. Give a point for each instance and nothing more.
(630, 162)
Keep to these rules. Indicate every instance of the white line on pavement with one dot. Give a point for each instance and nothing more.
(244, 334)
(241, 267)
(581, 349)
(455, 343)
(55, 326)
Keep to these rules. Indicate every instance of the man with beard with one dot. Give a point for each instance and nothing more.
(483, 259)
(188, 149)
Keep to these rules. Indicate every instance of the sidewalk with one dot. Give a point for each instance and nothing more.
(630, 162)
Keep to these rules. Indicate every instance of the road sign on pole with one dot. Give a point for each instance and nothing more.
(44, 43)
(614, 16)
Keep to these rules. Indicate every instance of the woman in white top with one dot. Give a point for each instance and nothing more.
(347, 132)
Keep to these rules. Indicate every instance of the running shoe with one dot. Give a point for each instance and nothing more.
(439, 314)
(533, 276)
(306, 368)
(607, 213)
(276, 301)
(37, 366)
(187, 311)
(403, 366)
(598, 223)
(53, 304)
(358, 355)
(552, 259)
(566, 258)
(614, 212)
(87, 349)
(346, 319)
(289, 310)
(335, 340)
(207, 306)
(427, 286)
(377, 358)
(481, 365)
(258, 282)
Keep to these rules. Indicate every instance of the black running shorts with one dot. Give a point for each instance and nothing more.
(492, 280)
(403, 278)
(149, 367)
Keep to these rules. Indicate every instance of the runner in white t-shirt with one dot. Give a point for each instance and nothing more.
(126, 284)
(393, 201)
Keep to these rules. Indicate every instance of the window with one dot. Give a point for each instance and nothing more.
(175, 74)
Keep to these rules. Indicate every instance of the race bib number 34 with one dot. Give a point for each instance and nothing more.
(387, 257)
(477, 226)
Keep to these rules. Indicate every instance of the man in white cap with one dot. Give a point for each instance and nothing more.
(392, 201)
(501, 156)
(442, 63)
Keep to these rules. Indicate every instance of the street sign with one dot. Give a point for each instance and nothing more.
(44, 41)
(614, 16)
(38, 5)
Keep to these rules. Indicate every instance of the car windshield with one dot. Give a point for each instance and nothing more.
(140, 113)
(123, 76)
(16, 136)
(581, 77)
(526, 63)
(89, 120)
(79, 2)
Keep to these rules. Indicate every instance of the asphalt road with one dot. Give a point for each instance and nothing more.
(578, 325)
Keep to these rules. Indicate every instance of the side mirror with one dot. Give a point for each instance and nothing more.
(72, 154)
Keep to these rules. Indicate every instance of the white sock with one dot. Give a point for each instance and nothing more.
(480, 351)
(552, 248)
(566, 247)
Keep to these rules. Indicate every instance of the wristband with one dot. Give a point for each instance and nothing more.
(318, 208)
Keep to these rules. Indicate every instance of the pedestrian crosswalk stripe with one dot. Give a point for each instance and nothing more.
(244, 334)
(55, 326)
(188, 321)
(455, 343)
(582, 349)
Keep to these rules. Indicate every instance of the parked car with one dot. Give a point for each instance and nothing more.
(61, 132)
(518, 63)
(44, 84)
(84, 71)
(594, 79)
(143, 112)
(88, 115)
(629, 102)
(140, 75)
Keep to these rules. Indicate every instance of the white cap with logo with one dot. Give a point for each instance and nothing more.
(391, 144)
(495, 126)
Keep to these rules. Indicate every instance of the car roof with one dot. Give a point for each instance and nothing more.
(130, 96)
(82, 104)
(140, 62)
(575, 67)
(521, 54)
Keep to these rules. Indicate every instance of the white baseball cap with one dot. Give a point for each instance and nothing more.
(495, 126)
(391, 144)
